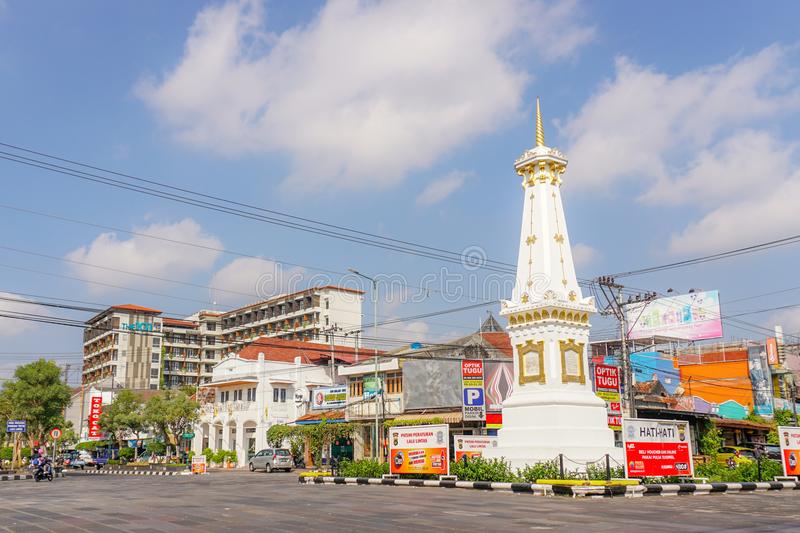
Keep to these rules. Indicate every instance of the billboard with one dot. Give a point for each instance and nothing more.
(772, 351)
(498, 383)
(472, 445)
(473, 397)
(329, 397)
(694, 316)
(606, 386)
(790, 450)
(760, 380)
(16, 426)
(657, 448)
(95, 410)
(419, 449)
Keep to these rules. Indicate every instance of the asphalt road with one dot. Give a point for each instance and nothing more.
(241, 501)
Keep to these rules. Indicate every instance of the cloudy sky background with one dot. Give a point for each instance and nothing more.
(679, 121)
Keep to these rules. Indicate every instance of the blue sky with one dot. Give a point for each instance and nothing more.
(679, 120)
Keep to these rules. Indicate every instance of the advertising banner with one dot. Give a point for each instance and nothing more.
(16, 426)
(694, 317)
(472, 445)
(472, 391)
(372, 386)
(790, 450)
(657, 448)
(199, 464)
(760, 380)
(419, 449)
(772, 351)
(329, 398)
(606, 386)
(95, 410)
(498, 377)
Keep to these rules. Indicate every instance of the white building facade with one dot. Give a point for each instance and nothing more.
(268, 382)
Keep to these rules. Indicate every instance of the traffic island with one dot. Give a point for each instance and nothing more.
(132, 472)
(575, 489)
(21, 477)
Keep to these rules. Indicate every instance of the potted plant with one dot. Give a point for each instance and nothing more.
(233, 459)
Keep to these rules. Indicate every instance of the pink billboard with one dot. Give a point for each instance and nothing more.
(694, 316)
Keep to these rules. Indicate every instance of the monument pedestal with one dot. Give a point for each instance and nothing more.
(540, 425)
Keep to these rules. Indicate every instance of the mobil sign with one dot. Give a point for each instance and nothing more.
(474, 399)
(657, 448)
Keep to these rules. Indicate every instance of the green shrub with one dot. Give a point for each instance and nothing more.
(209, 454)
(6, 453)
(25, 452)
(113, 462)
(598, 471)
(745, 471)
(480, 469)
(363, 468)
(88, 446)
(156, 447)
(233, 456)
(126, 453)
(543, 470)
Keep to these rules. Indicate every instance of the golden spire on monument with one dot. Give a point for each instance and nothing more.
(539, 127)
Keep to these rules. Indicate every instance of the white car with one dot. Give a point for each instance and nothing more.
(272, 459)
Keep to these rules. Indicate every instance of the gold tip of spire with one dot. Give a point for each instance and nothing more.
(539, 127)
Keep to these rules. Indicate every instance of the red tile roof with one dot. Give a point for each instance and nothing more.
(174, 322)
(286, 350)
(326, 415)
(134, 307)
(499, 340)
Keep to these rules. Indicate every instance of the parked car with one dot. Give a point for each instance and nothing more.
(772, 451)
(73, 459)
(272, 459)
(737, 453)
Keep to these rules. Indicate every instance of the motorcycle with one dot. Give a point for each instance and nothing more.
(44, 471)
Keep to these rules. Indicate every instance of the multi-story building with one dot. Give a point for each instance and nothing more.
(310, 315)
(191, 349)
(115, 340)
(122, 348)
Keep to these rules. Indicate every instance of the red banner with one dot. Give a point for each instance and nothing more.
(657, 448)
(95, 410)
(606, 386)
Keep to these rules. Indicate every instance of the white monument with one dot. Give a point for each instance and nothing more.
(552, 409)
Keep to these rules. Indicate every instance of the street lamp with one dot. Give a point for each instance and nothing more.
(376, 447)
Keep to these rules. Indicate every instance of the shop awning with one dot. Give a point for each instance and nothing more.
(332, 417)
(741, 424)
(449, 417)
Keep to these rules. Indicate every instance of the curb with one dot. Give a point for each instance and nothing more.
(130, 472)
(584, 491)
(20, 477)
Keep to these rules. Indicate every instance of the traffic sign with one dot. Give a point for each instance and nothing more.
(16, 426)
(55, 433)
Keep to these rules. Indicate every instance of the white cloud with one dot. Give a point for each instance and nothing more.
(10, 304)
(260, 278)
(726, 170)
(364, 92)
(638, 122)
(584, 255)
(438, 190)
(146, 256)
(742, 223)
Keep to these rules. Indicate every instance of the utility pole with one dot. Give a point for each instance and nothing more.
(376, 448)
(612, 292)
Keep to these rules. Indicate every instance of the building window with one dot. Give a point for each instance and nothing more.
(327, 320)
(224, 396)
(156, 357)
(394, 383)
(356, 387)
(279, 395)
(153, 386)
(154, 373)
(283, 395)
(251, 394)
(211, 340)
(275, 395)
(156, 342)
(327, 304)
(237, 395)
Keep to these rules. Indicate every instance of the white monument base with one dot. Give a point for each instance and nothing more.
(540, 425)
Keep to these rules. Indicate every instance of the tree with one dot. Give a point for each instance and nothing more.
(124, 416)
(171, 413)
(37, 395)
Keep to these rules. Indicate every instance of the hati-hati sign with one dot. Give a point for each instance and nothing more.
(472, 445)
(419, 449)
(657, 448)
(790, 450)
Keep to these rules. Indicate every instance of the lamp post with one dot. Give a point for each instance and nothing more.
(376, 448)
